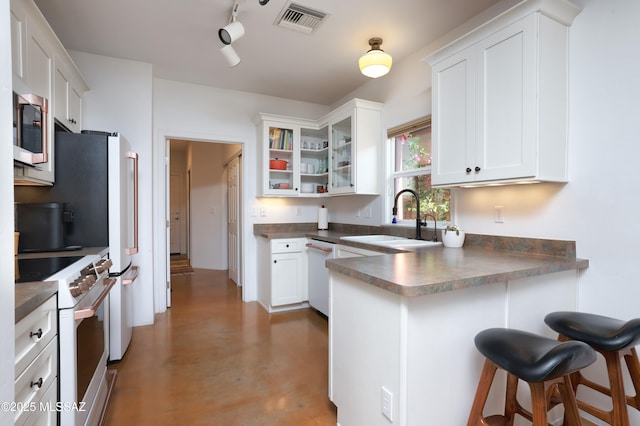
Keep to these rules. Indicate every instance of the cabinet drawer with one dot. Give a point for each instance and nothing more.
(34, 332)
(287, 246)
(45, 413)
(34, 383)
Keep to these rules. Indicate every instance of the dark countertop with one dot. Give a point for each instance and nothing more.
(439, 269)
(484, 259)
(29, 296)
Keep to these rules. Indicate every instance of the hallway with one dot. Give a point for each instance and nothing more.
(213, 360)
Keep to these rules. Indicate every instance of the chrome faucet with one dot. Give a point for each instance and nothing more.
(418, 219)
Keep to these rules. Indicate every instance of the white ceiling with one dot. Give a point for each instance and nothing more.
(179, 37)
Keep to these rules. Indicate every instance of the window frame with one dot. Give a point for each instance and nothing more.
(392, 174)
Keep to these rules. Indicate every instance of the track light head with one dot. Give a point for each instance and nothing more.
(230, 55)
(231, 32)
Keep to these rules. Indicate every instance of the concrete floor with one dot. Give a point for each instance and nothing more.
(213, 360)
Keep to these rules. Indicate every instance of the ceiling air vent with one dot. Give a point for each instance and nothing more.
(300, 18)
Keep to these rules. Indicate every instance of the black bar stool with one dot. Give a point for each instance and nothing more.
(614, 339)
(541, 362)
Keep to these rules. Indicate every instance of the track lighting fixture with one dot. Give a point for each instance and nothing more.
(233, 30)
(375, 63)
(230, 33)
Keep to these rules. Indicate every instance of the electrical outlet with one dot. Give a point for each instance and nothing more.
(498, 214)
(387, 403)
(263, 211)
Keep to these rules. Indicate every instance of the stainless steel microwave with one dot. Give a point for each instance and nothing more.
(30, 132)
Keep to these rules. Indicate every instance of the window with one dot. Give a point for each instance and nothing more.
(411, 169)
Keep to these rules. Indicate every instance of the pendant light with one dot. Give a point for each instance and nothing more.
(376, 62)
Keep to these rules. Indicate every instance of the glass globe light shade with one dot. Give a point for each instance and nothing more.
(375, 63)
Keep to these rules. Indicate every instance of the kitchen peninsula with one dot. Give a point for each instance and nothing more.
(403, 324)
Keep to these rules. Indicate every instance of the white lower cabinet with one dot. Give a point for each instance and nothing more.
(36, 366)
(283, 278)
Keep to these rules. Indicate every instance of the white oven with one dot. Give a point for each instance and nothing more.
(83, 328)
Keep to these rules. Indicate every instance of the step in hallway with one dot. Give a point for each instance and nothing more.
(211, 359)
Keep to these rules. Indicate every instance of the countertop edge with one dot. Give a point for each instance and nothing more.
(31, 295)
(459, 283)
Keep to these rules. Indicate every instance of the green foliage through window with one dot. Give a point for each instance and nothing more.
(413, 171)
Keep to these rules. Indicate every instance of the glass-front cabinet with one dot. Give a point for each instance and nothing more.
(314, 161)
(342, 157)
(337, 154)
(280, 164)
(355, 143)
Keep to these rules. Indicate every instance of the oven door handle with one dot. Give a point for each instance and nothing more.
(91, 310)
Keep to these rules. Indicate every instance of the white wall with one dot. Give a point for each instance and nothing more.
(120, 100)
(7, 289)
(599, 207)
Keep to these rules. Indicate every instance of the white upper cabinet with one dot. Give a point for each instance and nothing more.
(42, 66)
(68, 91)
(322, 156)
(500, 99)
(355, 139)
(280, 155)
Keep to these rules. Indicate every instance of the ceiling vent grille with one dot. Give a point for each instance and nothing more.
(300, 18)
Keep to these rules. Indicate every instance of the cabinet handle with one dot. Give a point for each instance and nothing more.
(287, 245)
(324, 249)
(275, 261)
(38, 333)
(468, 169)
(477, 169)
(38, 383)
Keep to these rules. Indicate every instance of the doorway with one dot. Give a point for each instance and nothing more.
(179, 190)
(200, 218)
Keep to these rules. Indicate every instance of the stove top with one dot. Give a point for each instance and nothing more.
(40, 269)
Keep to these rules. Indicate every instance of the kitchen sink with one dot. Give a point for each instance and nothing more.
(372, 239)
(408, 244)
(392, 241)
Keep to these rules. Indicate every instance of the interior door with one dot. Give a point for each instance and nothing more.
(176, 216)
(233, 219)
